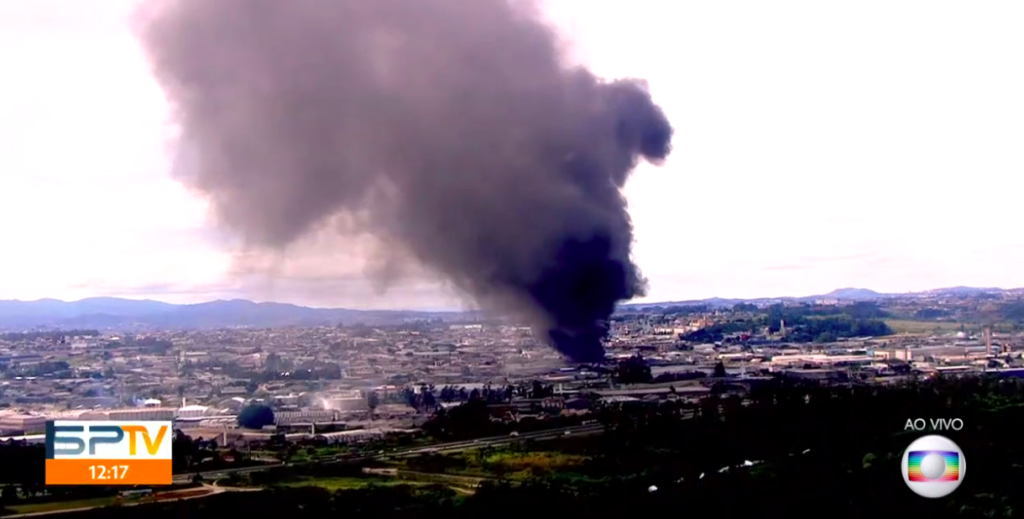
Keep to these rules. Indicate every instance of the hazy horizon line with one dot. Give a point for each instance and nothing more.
(464, 310)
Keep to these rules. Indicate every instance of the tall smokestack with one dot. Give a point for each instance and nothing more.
(988, 341)
(449, 129)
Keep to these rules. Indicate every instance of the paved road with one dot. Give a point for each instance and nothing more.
(493, 441)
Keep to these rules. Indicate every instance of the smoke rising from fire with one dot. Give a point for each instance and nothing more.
(448, 129)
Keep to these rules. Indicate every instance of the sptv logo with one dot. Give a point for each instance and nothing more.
(108, 453)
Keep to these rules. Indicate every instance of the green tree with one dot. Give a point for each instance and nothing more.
(9, 495)
(633, 370)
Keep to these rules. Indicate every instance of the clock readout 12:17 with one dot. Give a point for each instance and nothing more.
(112, 472)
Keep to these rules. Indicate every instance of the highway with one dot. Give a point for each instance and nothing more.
(493, 441)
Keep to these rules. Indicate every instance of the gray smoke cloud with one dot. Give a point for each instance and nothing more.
(450, 129)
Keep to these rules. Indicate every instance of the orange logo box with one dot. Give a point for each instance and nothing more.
(108, 453)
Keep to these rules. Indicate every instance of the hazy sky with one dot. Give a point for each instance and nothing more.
(875, 144)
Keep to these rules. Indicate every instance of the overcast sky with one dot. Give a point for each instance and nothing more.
(819, 145)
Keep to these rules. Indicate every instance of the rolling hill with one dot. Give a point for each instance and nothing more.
(129, 313)
(118, 313)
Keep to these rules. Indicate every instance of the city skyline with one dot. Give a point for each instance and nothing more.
(808, 156)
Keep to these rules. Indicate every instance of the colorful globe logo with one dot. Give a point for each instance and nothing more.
(933, 466)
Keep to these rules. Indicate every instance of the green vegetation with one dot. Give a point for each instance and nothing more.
(61, 505)
(804, 323)
(299, 454)
(923, 327)
(633, 370)
(351, 477)
(789, 449)
(818, 449)
(518, 463)
(345, 483)
(969, 314)
(947, 327)
(809, 323)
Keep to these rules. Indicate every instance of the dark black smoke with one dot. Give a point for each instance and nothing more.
(450, 128)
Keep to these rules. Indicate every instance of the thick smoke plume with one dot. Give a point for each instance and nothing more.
(449, 128)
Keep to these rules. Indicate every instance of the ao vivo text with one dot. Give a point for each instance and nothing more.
(108, 453)
(933, 424)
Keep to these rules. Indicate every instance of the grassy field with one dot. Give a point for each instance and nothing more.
(170, 492)
(519, 461)
(433, 478)
(61, 505)
(305, 454)
(946, 327)
(350, 483)
(403, 477)
(512, 463)
(462, 471)
(924, 327)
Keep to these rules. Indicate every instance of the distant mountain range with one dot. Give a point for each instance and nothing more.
(112, 312)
